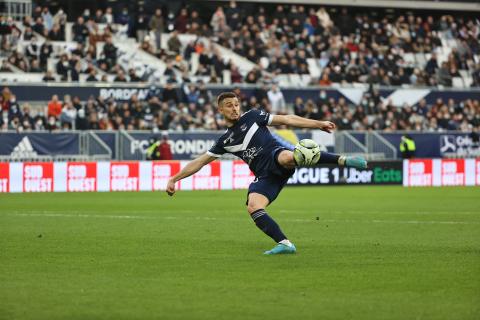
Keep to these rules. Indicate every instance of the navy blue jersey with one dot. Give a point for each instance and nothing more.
(250, 140)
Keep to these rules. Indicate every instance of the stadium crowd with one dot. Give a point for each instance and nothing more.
(349, 47)
(191, 107)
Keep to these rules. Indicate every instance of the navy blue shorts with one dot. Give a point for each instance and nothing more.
(272, 179)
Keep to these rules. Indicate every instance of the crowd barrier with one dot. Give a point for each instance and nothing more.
(223, 175)
(132, 145)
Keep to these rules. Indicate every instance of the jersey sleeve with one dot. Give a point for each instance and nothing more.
(262, 117)
(216, 150)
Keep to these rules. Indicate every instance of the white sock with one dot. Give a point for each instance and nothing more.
(286, 242)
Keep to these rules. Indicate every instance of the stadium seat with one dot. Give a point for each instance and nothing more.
(457, 82)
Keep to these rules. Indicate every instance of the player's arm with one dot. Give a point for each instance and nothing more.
(299, 122)
(191, 168)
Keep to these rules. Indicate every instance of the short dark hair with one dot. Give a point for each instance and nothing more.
(225, 95)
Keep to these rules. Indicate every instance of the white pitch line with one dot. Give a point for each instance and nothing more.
(386, 212)
(62, 215)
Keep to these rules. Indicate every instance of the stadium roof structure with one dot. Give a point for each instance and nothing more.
(457, 5)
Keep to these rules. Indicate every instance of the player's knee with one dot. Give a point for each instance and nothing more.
(252, 207)
(285, 159)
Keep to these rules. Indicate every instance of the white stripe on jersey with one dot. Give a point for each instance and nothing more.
(246, 140)
(211, 154)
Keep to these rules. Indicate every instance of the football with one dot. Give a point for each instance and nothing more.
(306, 152)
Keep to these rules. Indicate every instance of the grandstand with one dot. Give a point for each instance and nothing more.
(306, 45)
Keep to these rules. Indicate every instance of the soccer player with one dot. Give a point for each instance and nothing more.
(248, 138)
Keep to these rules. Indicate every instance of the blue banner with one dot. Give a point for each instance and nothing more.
(438, 145)
(398, 96)
(188, 145)
(433, 144)
(40, 143)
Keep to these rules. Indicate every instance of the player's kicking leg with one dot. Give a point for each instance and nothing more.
(256, 207)
(286, 159)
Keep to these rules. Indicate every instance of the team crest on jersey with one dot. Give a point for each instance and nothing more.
(243, 127)
(249, 154)
(262, 113)
(229, 139)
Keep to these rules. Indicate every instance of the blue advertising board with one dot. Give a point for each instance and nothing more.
(118, 92)
(190, 144)
(38, 143)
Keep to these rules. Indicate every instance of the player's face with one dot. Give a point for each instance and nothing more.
(230, 109)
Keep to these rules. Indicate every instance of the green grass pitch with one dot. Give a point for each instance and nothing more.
(373, 253)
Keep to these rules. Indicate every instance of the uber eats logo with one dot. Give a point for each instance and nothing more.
(387, 175)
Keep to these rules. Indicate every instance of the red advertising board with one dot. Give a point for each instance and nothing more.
(81, 176)
(38, 177)
(453, 172)
(162, 171)
(477, 172)
(242, 176)
(4, 176)
(420, 172)
(208, 178)
(124, 176)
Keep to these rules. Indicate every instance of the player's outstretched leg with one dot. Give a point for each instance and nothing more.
(256, 208)
(342, 160)
(307, 153)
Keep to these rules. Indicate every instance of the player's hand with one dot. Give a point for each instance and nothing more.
(327, 126)
(170, 187)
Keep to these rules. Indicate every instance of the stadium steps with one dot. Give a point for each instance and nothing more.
(129, 56)
(244, 65)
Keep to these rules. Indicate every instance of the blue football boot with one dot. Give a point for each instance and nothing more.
(281, 249)
(356, 162)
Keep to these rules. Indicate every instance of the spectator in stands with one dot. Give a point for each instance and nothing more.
(46, 51)
(33, 49)
(47, 18)
(92, 76)
(432, 65)
(5, 67)
(28, 33)
(54, 107)
(218, 19)
(124, 17)
(63, 67)
(157, 25)
(170, 93)
(443, 75)
(120, 77)
(141, 25)
(60, 19)
(132, 75)
(56, 34)
(174, 43)
(99, 17)
(5, 30)
(181, 21)
(110, 52)
(68, 116)
(35, 66)
(108, 16)
(39, 27)
(80, 30)
(276, 100)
